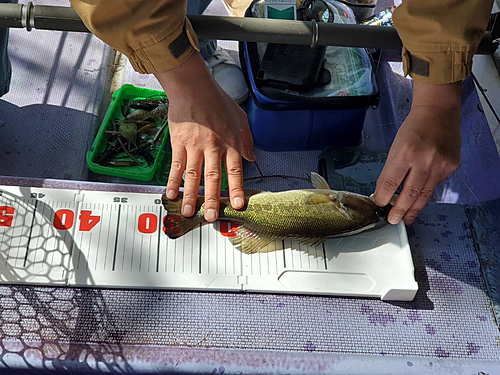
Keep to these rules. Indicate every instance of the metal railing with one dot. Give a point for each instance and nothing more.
(44, 17)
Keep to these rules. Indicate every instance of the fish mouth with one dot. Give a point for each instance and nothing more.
(383, 212)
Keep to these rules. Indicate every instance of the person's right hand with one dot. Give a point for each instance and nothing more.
(426, 151)
(206, 126)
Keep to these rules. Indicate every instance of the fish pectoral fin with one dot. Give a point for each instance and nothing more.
(344, 210)
(311, 241)
(319, 182)
(250, 242)
(314, 199)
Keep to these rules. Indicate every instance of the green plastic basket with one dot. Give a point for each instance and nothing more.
(161, 166)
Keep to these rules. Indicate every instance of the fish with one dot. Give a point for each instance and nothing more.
(147, 104)
(161, 111)
(309, 216)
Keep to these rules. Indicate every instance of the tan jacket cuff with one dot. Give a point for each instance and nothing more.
(165, 51)
(438, 65)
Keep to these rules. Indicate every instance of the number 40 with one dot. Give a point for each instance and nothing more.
(64, 220)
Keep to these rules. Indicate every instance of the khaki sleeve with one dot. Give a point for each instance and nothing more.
(155, 35)
(440, 37)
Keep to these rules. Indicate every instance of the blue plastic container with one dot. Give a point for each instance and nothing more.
(284, 123)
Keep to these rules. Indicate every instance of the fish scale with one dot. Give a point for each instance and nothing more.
(289, 214)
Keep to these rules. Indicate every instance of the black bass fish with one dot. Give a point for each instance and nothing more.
(308, 216)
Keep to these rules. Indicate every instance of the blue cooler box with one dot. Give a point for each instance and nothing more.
(283, 122)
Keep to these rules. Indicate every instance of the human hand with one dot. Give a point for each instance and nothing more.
(206, 126)
(426, 151)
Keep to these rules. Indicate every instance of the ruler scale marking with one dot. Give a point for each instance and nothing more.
(41, 236)
(116, 239)
(140, 255)
(88, 251)
(80, 243)
(284, 253)
(107, 242)
(175, 252)
(268, 262)
(12, 237)
(29, 235)
(233, 252)
(307, 252)
(20, 236)
(324, 256)
(200, 249)
(215, 271)
(259, 257)
(98, 240)
(58, 241)
(226, 271)
(133, 241)
(124, 247)
(160, 228)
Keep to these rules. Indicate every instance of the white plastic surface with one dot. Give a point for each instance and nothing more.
(108, 239)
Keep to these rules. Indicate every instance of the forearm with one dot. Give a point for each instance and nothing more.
(187, 79)
(155, 35)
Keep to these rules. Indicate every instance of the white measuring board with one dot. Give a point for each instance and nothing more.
(117, 240)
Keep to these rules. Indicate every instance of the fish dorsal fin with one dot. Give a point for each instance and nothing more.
(319, 182)
(249, 242)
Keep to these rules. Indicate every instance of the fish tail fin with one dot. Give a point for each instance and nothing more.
(176, 225)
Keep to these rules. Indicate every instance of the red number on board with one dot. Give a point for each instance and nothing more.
(63, 219)
(228, 229)
(147, 223)
(87, 221)
(6, 215)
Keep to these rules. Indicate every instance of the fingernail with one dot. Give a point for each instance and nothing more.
(170, 194)
(409, 220)
(187, 210)
(211, 214)
(239, 202)
(394, 220)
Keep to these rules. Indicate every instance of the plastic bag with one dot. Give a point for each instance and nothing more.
(350, 68)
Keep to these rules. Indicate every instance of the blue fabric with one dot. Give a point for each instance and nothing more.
(207, 46)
